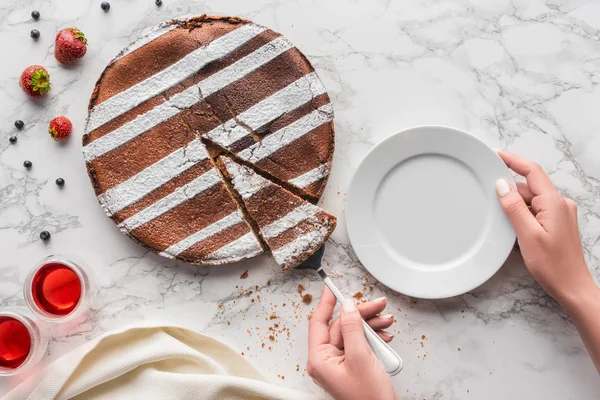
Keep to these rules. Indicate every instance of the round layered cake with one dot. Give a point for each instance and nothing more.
(178, 97)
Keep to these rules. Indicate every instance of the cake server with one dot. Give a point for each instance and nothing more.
(391, 361)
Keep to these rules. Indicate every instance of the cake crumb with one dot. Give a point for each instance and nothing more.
(271, 338)
(220, 305)
(422, 345)
(300, 289)
(423, 337)
(244, 275)
(307, 298)
(458, 348)
(358, 295)
(269, 282)
(272, 316)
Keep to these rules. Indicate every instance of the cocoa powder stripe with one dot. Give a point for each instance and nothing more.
(205, 72)
(186, 219)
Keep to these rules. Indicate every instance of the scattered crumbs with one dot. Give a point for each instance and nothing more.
(300, 289)
(399, 310)
(297, 367)
(242, 353)
(462, 311)
(273, 316)
(423, 337)
(228, 322)
(458, 348)
(272, 339)
(220, 305)
(269, 282)
(422, 345)
(490, 372)
(282, 377)
(358, 295)
(244, 275)
(307, 298)
(283, 305)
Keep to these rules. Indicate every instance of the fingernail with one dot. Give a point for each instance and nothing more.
(380, 299)
(387, 316)
(502, 187)
(349, 306)
(387, 334)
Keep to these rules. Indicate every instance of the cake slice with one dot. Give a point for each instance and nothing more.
(292, 227)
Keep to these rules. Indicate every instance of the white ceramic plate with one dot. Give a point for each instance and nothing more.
(422, 212)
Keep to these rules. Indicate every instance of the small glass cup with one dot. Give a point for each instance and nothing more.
(38, 342)
(45, 280)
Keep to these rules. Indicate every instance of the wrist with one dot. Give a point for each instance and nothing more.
(581, 297)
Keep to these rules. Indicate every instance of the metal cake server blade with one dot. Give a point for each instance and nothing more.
(391, 361)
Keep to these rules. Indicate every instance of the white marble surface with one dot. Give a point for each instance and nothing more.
(521, 75)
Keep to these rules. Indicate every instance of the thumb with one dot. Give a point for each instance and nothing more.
(356, 348)
(515, 209)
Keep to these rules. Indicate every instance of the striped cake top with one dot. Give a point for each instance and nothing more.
(237, 85)
(292, 227)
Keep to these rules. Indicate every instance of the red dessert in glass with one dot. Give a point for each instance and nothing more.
(56, 288)
(15, 342)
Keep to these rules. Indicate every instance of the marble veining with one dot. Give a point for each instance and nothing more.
(521, 75)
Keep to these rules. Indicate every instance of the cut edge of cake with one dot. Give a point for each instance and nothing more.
(295, 190)
(292, 237)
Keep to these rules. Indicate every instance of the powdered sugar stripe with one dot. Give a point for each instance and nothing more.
(245, 181)
(170, 76)
(299, 246)
(245, 247)
(293, 218)
(146, 38)
(287, 99)
(167, 203)
(186, 99)
(287, 134)
(230, 220)
(310, 177)
(151, 178)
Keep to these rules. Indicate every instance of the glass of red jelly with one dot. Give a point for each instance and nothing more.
(58, 289)
(22, 344)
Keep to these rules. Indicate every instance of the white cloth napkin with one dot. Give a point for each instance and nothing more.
(152, 361)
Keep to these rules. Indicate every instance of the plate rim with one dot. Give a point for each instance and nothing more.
(348, 215)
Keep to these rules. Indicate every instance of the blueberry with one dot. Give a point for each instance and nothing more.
(158, 2)
(60, 182)
(44, 235)
(105, 5)
(13, 139)
(35, 34)
(27, 164)
(19, 124)
(35, 15)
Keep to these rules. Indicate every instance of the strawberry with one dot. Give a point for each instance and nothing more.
(35, 81)
(70, 45)
(60, 128)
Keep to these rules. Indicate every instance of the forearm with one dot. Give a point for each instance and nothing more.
(584, 310)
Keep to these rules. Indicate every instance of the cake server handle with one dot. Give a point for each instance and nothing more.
(391, 361)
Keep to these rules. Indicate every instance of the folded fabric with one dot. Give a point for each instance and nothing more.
(152, 361)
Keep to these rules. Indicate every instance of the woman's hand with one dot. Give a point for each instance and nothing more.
(339, 357)
(547, 230)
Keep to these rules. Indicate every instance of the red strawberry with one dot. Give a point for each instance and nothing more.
(60, 128)
(70, 45)
(35, 81)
